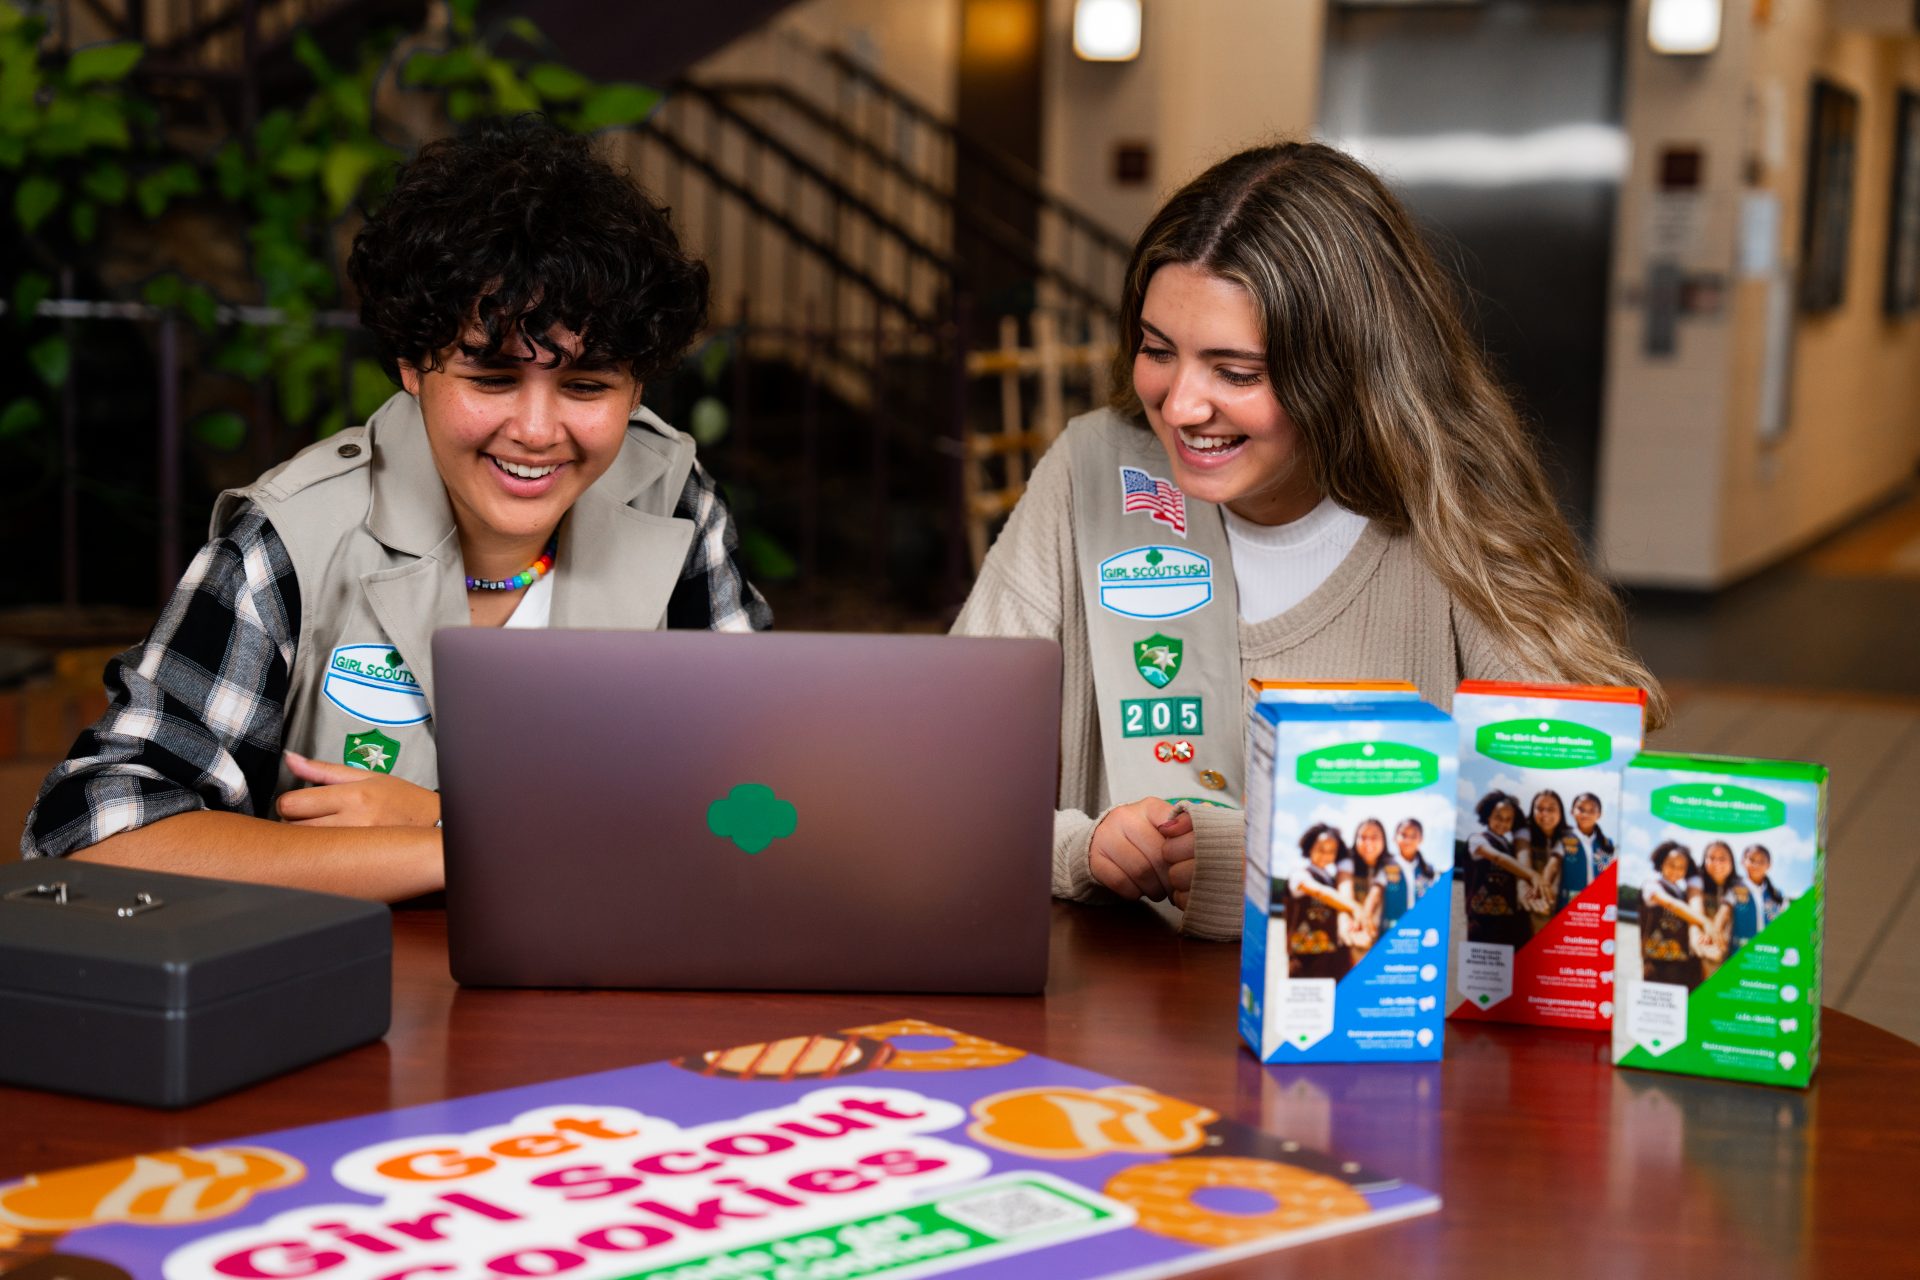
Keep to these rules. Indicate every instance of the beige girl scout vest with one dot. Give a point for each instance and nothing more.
(366, 522)
(1163, 619)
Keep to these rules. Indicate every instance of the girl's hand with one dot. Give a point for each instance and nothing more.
(343, 796)
(1144, 850)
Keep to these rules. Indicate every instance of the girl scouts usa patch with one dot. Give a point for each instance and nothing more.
(371, 682)
(1155, 582)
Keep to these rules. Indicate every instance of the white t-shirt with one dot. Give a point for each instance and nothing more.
(1276, 566)
(534, 606)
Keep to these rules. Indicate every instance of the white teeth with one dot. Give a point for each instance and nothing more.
(1208, 444)
(525, 473)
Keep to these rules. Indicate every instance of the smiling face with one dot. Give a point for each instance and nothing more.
(517, 442)
(1586, 814)
(1546, 811)
(1674, 866)
(1201, 375)
(1325, 850)
(1408, 839)
(1500, 821)
(1718, 861)
(1370, 841)
(1758, 863)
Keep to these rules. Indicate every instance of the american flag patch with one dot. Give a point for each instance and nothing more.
(1159, 499)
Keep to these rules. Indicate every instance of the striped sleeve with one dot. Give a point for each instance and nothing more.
(195, 712)
(713, 593)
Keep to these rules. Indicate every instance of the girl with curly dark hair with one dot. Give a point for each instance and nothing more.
(1495, 873)
(523, 291)
(1319, 896)
(1671, 916)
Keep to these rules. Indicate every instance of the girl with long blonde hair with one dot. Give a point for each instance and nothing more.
(1309, 472)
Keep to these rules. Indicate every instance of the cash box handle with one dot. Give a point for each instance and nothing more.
(56, 894)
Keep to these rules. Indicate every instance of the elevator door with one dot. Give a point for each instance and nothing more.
(1498, 123)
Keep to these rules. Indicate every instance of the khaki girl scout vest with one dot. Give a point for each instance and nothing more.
(1163, 618)
(366, 522)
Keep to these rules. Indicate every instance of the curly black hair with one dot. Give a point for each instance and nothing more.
(1666, 850)
(519, 226)
(1493, 800)
(1318, 831)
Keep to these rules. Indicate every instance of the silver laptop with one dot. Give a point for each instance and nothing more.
(750, 812)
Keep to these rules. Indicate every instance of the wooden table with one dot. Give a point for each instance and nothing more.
(1552, 1164)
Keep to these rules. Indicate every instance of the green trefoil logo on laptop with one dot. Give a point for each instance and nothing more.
(752, 816)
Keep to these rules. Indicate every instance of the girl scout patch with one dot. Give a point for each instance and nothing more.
(371, 682)
(373, 751)
(1157, 658)
(1155, 582)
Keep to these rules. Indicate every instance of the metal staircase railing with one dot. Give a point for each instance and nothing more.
(826, 101)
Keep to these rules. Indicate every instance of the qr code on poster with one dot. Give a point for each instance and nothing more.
(1018, 1210)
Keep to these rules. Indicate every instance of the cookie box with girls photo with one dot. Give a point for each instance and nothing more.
(1343, 951)
(1540, 770)
(1721, 906)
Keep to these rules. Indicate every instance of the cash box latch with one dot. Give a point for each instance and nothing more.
(56, 894)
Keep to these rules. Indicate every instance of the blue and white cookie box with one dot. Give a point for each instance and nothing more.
(1344, 945)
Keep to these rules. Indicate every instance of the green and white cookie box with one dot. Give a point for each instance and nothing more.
(1717, 958)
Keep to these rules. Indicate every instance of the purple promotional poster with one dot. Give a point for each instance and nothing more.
(898, 1150)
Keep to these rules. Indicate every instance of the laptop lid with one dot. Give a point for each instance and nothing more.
(771, 811)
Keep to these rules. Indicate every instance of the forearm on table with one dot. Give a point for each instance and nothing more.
(384, 864)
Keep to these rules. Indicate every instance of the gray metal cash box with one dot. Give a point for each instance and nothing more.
(166, 989)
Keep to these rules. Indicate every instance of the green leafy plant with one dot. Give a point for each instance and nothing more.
(481, 78)
(75, 141)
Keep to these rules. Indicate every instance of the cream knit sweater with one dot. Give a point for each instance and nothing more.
(1381, 615)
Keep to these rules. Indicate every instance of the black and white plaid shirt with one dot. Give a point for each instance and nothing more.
(195, 712)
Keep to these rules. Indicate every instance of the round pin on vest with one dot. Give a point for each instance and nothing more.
(1213, 780)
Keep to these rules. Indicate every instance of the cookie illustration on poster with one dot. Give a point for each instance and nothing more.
(179, 1188)
(898, 1148)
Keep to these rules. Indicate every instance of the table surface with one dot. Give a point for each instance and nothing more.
(1547, 1158)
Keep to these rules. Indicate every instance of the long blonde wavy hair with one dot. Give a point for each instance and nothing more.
(1400, 418)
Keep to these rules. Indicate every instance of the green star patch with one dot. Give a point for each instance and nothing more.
(1157, 658)
(373, 751)
(752, 816)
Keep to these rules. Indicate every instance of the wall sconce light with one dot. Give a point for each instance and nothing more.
(1106, 30)
(1684, 26)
